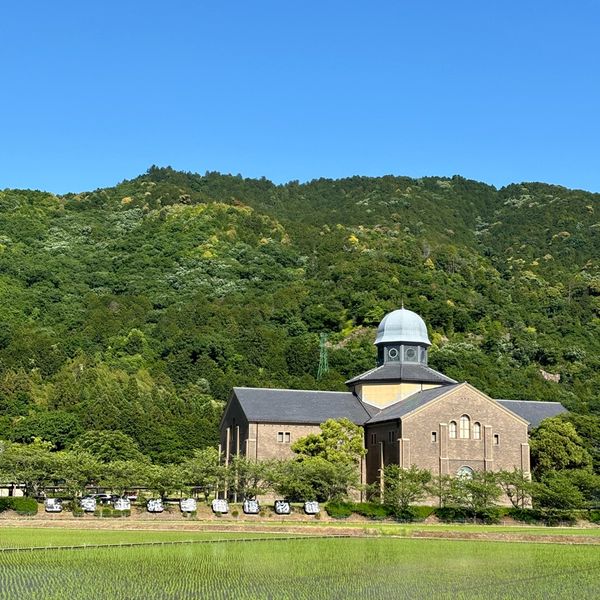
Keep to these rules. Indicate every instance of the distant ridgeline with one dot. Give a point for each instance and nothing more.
(139, 307)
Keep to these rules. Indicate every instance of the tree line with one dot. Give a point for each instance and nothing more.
(324, 468)
(138, 307)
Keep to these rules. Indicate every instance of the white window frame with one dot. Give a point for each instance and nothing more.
(464, 428)
(452, 430)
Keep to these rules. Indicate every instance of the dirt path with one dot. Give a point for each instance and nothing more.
(350, 529)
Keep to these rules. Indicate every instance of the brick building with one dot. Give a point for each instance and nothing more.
(411, 414)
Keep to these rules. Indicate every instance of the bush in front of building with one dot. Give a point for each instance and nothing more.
(594, 516)
(109, 512)
(339, 510)
(420, 513)
(370, 510)
(457, 514)
(22, 506)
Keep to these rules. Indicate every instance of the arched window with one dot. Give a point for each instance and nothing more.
(452, 430)
(465, 427)
(476, 431)
(465, 473)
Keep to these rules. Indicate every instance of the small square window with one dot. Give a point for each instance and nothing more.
(280, 437)
(287, 437)
(496, 439)
(434, 436)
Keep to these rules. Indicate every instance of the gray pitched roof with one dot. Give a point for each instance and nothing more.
(267, 405)
(398, 410)
(533, 411)
(403, 371)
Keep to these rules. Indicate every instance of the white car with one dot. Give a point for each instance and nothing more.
(188, 505)
(122, 504)
(88, 504)
(251, 507)
(53, 505)
(155, 505)
(220, 506)
(311, 507)
(282, 507)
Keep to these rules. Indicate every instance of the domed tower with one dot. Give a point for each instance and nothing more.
(402, 338)
(402, 343)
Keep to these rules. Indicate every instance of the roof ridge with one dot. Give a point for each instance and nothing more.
(528, 401)
(245, 387)
(365, 373)
(434, 392)
(440, 373)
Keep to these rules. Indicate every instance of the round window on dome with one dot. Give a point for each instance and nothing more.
(393, 353)
(410, 353)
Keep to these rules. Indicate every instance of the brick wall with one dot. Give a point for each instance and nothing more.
(266, 436)
(439, 453)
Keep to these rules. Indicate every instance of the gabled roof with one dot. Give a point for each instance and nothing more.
(403, 372)
(268, 405)
(403, 407)
(533, 411)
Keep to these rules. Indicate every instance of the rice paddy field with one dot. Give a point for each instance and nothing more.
(221, 565)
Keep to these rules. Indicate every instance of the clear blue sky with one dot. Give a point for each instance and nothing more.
(95, 92)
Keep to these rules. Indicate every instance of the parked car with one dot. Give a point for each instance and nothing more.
(122, 504)
(88, 504)
(251, 507)
(104, 498)
(311, 507)
(188, 505)
(53, 505)
(155, 505)
(220, 506)
(282, 507)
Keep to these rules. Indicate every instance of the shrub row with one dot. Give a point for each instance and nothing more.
(22, 506)
(448, 514)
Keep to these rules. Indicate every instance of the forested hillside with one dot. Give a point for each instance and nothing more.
(138, 307)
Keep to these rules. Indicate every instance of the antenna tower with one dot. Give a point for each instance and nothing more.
(323, 360)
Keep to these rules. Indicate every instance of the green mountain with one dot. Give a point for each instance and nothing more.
(138, 307)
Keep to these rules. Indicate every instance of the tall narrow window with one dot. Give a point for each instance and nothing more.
(434, 437)
(465, 427)
(288, 437)
(373, 439)
(280, 437)
(452, 430)
(476, 431)
(496, 439)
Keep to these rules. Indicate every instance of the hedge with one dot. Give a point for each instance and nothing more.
(548, 516)
(107, 511)
(371, 510)
(22, 506)
(339, 510)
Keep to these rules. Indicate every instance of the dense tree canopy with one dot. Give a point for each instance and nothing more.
(136, 308)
